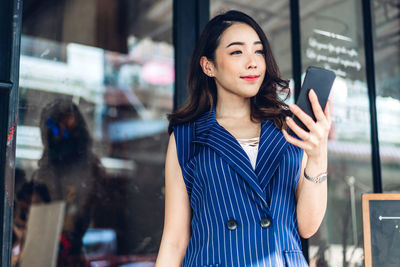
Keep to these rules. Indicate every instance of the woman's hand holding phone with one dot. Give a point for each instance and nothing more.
(311, 192)
(314, 142)
(309, 122)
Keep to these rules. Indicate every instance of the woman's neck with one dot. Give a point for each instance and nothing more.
(232, 106)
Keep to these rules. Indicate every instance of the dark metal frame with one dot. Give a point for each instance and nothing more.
(10, 34)
(297, 70)
(296, 46)
(370, 69)
(189, 18)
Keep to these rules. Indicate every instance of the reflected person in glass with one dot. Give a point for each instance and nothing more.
(236, 193)
(71, 172)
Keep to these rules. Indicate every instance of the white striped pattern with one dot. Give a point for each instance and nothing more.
(222, 185)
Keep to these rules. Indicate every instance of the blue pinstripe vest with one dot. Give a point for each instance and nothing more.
(241, 217)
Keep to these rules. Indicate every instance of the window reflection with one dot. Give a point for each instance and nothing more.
(92, 128)
(70, 172)
(332, 38)
(386, 15)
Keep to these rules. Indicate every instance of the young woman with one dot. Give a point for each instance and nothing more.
(240, 191)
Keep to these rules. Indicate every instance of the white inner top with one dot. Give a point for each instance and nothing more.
(250, 146)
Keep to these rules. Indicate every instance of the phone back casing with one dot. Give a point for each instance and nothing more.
(321, 81)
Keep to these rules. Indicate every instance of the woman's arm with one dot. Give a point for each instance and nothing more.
(176, 231)
(311, 197)
(311, 201)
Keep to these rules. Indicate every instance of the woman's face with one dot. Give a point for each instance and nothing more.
(240, 63)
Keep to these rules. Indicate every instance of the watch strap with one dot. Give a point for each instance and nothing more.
(317, 179)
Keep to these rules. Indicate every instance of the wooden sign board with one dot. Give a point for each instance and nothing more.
(381, 224)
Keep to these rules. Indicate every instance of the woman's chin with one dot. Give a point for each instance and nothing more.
(249, 94)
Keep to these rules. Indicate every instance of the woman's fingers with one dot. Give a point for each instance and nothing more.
(297, 129)
(327, 113)
(320, 115)
(303, 117)
(318, 112)
(295, 141)
(318, 130)
(312, 142)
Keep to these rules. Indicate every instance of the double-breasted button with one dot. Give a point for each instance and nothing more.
(232, 224)
(265, 222)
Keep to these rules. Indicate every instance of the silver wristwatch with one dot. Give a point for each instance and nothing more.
(318, 179)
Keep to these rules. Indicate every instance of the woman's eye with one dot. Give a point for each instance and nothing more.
(237, 52)
(260, 51)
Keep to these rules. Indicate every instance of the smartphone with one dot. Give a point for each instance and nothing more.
(321, 81)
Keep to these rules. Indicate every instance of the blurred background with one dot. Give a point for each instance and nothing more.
(108, 69)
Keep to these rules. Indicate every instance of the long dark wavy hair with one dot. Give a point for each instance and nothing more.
(266, 104)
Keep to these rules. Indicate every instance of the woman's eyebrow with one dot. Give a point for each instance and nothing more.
(242, 43)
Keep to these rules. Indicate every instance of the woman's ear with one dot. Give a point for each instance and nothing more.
(207, 66)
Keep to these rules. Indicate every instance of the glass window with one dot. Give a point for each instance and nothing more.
(386, 29)
(96, 83)
(274, 19)
(332, 38)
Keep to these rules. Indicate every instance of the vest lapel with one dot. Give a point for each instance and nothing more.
(271, 150)
(208, 132)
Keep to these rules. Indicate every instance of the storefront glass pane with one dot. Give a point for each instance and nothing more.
(274, 19)
(332, 38)
(96, 83)
(386, 29)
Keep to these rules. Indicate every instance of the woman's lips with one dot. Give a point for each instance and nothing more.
(250, 78)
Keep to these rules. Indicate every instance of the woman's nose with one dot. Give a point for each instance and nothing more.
(251, 62)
